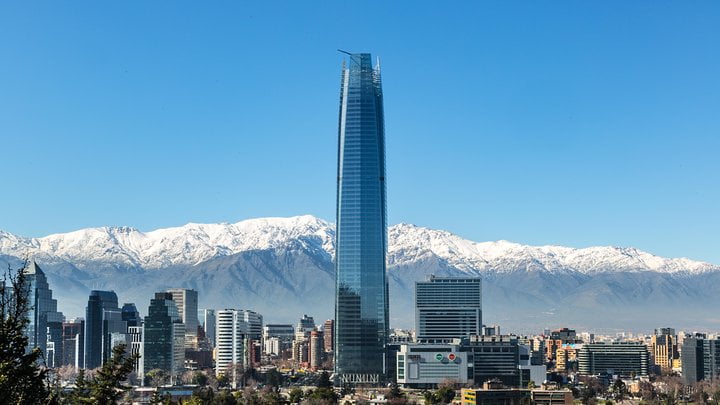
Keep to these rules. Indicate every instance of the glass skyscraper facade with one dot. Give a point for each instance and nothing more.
(361, 307)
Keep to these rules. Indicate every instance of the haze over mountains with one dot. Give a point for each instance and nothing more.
(283, 268)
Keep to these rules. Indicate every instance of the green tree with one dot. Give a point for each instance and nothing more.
(619, 390)
(200, 378)
(22, 380)
(395, 396)
(108, 385)
(323, 394)
(296, 395)
(156, 377)
(445, 394)
(430, 398)
(224, 397)
(273, 378)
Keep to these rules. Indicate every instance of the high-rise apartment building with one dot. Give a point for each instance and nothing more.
(230, 343)
(163, 336)
(448, 308)
(99, 321)
(329, 335)
(186, 301)
(664, 350)
(361, 307)
(316, 350)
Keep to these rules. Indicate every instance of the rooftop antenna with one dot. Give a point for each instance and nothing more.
(345, 52)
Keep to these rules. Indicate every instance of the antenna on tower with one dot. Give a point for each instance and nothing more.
(345, 52)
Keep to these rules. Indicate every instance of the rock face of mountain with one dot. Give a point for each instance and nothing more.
(283, 268)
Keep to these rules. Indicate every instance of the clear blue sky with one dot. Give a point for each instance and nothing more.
(540, 122)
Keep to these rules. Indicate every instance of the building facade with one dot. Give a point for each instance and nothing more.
(428, 365)
(700, 359)
(43, 313)
(361, 306)
(448, 308)
(186, 301)
(230, 343)
(101, 306)
(163, 336)
(616, 358)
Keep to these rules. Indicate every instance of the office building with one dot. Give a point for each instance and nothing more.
(496, 358)
(163, 336)
(532, 372)
(230, 343)
(428, 365)
(616, 358)
(54, 353)
(130, 315)
(73, 341)
(700, 359)
(186, 301)
(135, 346)
(43, 309)
(253, 324)
(284, 332)
(209, 325)
(448, 308)
(361, 307)
(99, 320)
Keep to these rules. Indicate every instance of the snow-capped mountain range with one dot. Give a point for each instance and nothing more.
(193, 244)
(254, 262)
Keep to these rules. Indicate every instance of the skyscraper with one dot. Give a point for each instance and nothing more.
(43, 312)
(209, 325)
(101, 305)
(163, 336)
(230, 343)
(448, 308)
(361, 306)
(186, 301)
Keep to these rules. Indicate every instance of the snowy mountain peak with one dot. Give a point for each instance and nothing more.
(195, 243)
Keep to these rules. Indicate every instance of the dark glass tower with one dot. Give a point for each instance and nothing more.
(96, 338)
(361, 306)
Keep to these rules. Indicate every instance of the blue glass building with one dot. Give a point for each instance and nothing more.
(361, 307)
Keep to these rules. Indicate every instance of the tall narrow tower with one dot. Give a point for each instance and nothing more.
(361, 302)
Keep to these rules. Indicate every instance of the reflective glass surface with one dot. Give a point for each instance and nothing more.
(361, 300)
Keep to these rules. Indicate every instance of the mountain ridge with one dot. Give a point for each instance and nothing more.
(194, 243)
(283, 267)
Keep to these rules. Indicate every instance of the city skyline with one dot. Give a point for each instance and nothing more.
(560, 124)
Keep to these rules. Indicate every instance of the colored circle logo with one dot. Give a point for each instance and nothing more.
(451, 356)
(438, 357)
